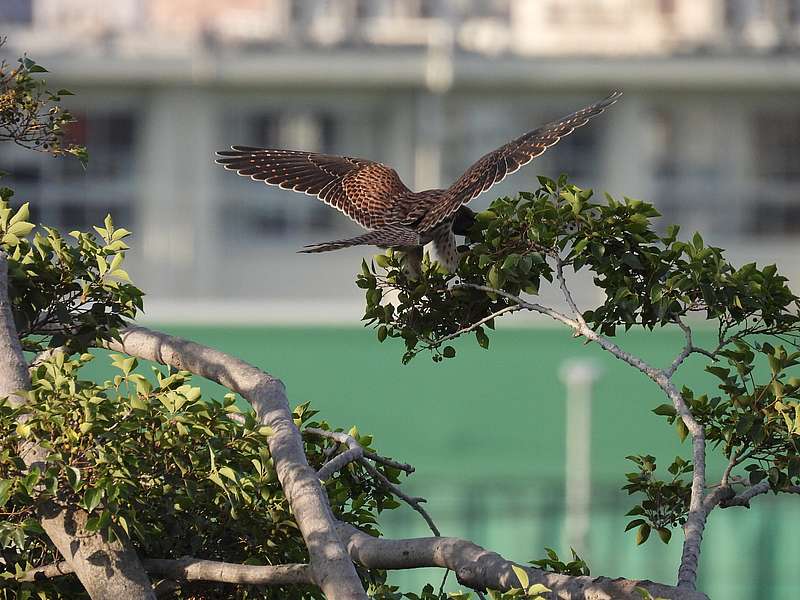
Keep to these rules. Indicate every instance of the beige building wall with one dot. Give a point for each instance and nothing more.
(708, 129)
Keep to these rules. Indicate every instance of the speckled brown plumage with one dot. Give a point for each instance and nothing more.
(372, 195)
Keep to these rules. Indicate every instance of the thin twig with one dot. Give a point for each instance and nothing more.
(474, 326)
(685, 352)
(356, 453)
(349, 441)
(413, 502)
(545, 310)
(444, 581)
(565, 291)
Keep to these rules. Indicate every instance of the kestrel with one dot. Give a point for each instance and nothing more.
(372, 195)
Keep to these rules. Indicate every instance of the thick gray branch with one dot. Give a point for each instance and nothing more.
(474, 566)
(333, 569)
(197, 569)
(107, 570)
(743, 498)
(480, 569)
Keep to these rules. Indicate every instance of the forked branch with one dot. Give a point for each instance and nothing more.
(356, 453)
(696, 518)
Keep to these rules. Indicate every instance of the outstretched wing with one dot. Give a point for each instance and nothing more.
(495, 166)
(362, 189)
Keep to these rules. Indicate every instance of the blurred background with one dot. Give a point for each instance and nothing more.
(708, 130)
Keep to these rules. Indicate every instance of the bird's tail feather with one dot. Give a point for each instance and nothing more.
(392, 236)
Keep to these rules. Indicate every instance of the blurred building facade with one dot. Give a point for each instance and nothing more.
(708, 130)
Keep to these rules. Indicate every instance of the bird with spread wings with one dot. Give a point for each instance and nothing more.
(372, 195)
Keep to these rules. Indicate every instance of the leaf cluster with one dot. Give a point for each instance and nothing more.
(30, 114)
(65, 292)
(753, 422)
(577, 566)
(178, 473)
(665, 504)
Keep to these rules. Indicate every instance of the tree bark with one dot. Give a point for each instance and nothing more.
(480, 569)
(197, 569)
(334, 572)
(108, 571)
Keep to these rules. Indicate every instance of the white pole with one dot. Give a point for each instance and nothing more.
(578, 376)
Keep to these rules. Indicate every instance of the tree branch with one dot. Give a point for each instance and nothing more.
(474, 566)
(696, 518)
(107, 570)
(413, 502)
(762, 487)
(565, 291)
(545, 310)
(344, 438)
(474, 326)
(356, 453)
(197, 569)
(688, 348)
(482, 569)
(333, 569)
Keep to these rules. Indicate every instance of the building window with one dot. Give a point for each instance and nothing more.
(268, 212)
(663, 143)
(739, 13)
(777, 145)
(16, 12)
(794, 12)
(67, 196)
(774, 209)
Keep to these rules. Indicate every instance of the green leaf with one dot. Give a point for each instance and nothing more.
(664, 533)
(229, 473)
(665, 410)
(483, 339)
(22, 214)
(682, 429)
(522, 575)
(537, 589)
(642, 534)
(493, 277)
(634, 523)
(10, 239)
(91, 498)
(73, 477)
(382, 260)
(5, 490)
(116, 262)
